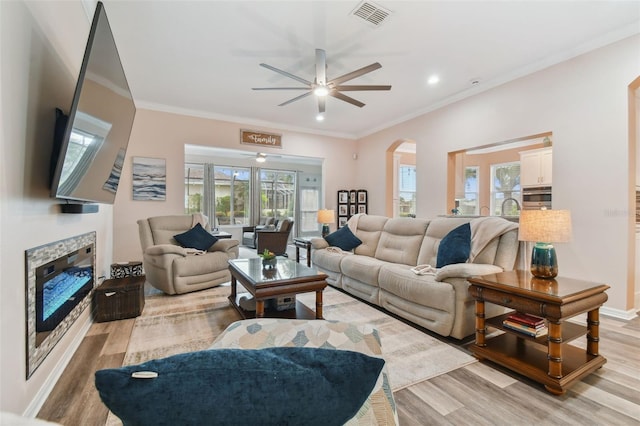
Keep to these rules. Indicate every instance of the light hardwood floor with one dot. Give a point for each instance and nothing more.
(478, 394)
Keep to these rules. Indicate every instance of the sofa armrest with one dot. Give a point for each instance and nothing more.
(466, 270)
(163, 249)
(319, 243)
(224, 244)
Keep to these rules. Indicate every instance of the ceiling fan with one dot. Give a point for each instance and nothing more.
(321, 87)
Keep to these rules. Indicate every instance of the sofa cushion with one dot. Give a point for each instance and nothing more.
(197, 238)
(455, 246)
(368, 229)
(400, 240)
(272, 386)
(344, 239)
(364, 269)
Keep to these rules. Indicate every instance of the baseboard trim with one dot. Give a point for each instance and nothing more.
(40, 398)
(619, 313)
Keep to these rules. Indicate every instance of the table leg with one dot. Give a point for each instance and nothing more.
(234, 290)
(555, 349)
(481, 329)
(593, 331)
(259, 308)
(319, 304)
(297, 254)
(309, 255)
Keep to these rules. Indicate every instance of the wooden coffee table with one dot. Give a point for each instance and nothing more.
(287, 278)
(547, 359)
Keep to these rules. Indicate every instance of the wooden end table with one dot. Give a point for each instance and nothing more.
(287, 278)
(303, 243)
(545, 359)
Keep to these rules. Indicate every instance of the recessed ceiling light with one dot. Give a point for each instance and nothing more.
(320, 117)
(434, 79)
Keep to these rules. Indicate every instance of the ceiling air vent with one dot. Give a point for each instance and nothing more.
(371, 13)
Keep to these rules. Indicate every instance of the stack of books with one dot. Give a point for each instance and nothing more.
(530, 325)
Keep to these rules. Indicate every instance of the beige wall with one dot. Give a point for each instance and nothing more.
(584, 103)
(163, 135)
(34, 82)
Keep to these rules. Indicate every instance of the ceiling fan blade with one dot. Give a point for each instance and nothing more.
(346, 98)
(295, 99)
(279, 71)
(321, 67)
(321, 103)
(279, 88)
(354, 88)
(354, 74)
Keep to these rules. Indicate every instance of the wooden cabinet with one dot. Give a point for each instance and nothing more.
(535, 167)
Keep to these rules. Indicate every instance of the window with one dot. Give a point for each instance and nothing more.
(505, 184)
(407, 190)
(277, 193)
(232, 191)
(469, 204)
(193, 188)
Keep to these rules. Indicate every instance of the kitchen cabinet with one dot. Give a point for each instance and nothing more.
(535, 167)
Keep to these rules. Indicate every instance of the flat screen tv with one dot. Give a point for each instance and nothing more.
(91, 140)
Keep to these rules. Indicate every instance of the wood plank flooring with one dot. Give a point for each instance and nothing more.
(478, 394)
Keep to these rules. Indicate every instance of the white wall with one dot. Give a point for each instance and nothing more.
(34, 81)
(584, 103)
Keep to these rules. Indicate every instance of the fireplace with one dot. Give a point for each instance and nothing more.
(60, 277)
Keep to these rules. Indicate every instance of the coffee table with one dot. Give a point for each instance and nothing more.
(286, 278)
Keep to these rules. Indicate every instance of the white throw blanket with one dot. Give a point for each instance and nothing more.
(201, 219)
(485, 229)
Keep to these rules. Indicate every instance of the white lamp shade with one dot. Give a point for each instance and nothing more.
(549, 226)
(326, 216)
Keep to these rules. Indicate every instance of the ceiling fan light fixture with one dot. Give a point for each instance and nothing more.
(321, 90)
(261, 157)
(320, 117)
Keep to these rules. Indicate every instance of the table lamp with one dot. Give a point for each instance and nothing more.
(325, 217)
(544, 227)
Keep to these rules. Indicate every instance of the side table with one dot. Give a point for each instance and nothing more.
(546, 359)
(303, 243)
(119, 298)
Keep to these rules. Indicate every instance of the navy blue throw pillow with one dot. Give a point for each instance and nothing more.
(343, 238)
(455, 247)
(197, 238)
(274, 386)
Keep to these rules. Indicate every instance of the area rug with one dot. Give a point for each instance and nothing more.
(412, 356)
(175, 324)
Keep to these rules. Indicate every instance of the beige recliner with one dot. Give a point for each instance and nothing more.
(174, 269)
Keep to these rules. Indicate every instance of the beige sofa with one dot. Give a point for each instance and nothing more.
(175, 269)
(379, 270)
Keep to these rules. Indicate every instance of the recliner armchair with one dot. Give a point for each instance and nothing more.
(249, 232)
(170, 267)
(274, 240)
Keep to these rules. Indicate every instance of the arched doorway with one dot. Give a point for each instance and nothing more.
(401, 177)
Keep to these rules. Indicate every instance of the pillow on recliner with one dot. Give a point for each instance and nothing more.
(197, 238)
(455, 247)
(343, 238)
(273, 386)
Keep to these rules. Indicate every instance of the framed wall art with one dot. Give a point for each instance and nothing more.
(149, 179)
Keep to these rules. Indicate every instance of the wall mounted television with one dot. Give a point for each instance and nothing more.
(90, 142)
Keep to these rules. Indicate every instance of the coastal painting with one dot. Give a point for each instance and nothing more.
(149, 179)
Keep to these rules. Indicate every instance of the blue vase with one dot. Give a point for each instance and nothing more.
(544, 262)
